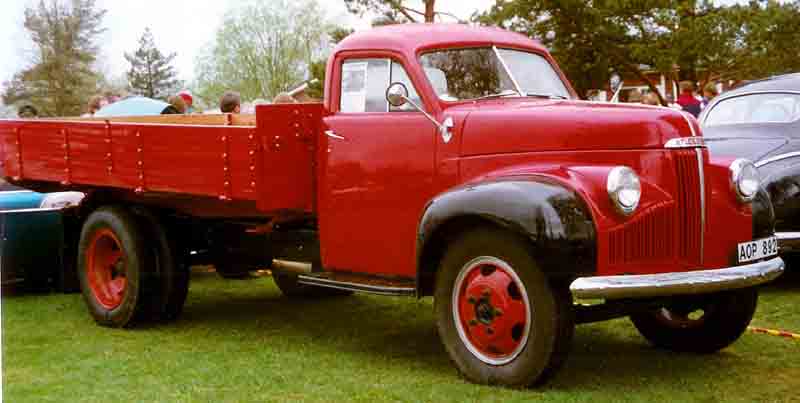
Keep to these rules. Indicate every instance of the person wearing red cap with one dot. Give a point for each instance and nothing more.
(187, 98)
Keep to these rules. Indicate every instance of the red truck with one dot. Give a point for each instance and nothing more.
(446, 161)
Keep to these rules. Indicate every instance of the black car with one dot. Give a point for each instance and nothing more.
(760, 121)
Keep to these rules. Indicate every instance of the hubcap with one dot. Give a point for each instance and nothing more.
(491, 310)
(106, 269)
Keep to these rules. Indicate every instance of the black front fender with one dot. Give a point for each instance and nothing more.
(554, 219)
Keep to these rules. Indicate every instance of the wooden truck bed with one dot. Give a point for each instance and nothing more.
(206, 166)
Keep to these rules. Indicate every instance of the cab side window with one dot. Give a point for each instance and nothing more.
(364, 83)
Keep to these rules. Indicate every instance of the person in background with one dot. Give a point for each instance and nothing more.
(687, 100)
(284, 98)
(651, 99)
(27, 112)
(95, 104)
(709, 93)
(188, 100)
(231, 102)
(635, 96)
(178, 102)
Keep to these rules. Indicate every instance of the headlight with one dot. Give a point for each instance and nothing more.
(61, 200)
(744, 179)
(624, 189)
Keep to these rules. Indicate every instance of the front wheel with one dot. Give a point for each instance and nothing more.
(699, 324)
(498, 316)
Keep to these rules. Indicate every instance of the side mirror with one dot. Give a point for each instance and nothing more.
(397, 94)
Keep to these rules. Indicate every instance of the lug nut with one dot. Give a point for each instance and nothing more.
(473, 322)
(498, 312)
(489, 330)
(471, 300)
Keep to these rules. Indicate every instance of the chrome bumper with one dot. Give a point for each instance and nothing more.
(679, 283)
(788, 241)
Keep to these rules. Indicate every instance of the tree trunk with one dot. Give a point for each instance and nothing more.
(429, 10)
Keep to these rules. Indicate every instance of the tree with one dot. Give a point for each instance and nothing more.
(318, 67)
(686, 39)
(396, 11)
(262, 49)
(61, 77)
(151, 73)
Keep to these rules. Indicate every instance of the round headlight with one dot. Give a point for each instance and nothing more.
(745, 179)
(624, 189)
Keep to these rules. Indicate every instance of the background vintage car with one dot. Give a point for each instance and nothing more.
(32, 238)
(760, 121)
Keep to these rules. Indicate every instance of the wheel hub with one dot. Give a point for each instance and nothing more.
(491, 310)
(106, 269)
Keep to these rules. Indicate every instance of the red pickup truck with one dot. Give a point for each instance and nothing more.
(446, 161)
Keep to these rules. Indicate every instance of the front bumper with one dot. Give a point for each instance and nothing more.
(789, 242)
(678, 283)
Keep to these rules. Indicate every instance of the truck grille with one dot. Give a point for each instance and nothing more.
(650, 237)
(689, 209)
(667, 230)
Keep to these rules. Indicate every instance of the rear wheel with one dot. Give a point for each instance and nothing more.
(171, 270)
(115, 268)
(699, 324)
(499, 318)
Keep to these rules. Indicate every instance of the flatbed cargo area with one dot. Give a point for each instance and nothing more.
(203, 164)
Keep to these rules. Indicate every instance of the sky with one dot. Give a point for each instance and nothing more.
(181, 26)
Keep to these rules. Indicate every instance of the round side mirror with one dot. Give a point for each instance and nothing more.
(397, 94)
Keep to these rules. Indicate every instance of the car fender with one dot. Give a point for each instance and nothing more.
(551, 216)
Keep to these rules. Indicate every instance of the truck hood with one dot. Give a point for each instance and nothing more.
(510, 126)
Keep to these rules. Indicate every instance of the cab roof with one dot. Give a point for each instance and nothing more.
(414, 38)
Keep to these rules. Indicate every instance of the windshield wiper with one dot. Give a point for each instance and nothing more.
(548, 96)
(503, 93)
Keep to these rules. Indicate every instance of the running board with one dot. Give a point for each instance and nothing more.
(351, 282)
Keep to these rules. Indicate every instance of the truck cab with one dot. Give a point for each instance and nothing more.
(446, 161)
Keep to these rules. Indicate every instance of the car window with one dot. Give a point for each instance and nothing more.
(755, 108)
(364, 84)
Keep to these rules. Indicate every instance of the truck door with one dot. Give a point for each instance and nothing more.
(377, 172)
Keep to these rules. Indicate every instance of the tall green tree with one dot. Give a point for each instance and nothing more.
(61, 77)
(687, 39)
(262, 48)
(151, 74)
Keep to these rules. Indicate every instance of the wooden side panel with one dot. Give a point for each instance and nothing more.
(89, 152)
(287, 172)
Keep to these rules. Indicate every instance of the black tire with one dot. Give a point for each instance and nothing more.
(536, 356)
(138, 263)
(171, 269)
(289, 286)
(232, 271)
(724, 318)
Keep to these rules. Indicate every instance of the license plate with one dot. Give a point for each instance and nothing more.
(760, 248)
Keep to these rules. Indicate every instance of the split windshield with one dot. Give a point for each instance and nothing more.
(488, 72)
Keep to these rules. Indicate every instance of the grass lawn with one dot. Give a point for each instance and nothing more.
(241, 341)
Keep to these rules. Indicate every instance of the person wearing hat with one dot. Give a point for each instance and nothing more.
(27, 112)
(188, 100)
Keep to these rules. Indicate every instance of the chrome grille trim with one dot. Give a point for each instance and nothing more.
(702, 176)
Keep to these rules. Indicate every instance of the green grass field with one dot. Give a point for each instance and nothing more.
(241, 341)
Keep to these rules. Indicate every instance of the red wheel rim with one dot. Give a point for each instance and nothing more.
(491, 310)
(106, 269)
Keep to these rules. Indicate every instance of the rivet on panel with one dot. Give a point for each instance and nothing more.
(253, 184)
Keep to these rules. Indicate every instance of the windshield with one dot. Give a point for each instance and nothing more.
(755, 108)
(459, 74)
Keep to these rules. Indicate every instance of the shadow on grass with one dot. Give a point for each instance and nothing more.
(370, 328)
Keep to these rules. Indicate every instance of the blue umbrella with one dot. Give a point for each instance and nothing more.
(136, 106)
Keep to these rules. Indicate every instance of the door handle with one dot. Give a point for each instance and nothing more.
(333, 135)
